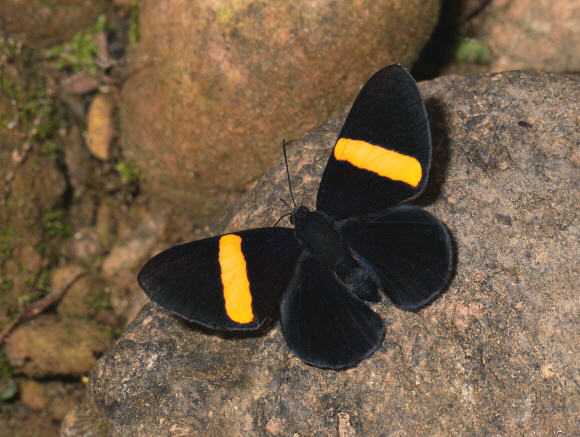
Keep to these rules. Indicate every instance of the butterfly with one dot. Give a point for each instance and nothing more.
(362, 241)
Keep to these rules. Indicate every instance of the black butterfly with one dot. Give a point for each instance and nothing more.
(360, 239)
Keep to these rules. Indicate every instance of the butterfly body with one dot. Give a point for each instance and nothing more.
(360, 240)
(317, 234)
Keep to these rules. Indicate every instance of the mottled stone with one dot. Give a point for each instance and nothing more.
(100, 129)
(32, 395)
(41, 23)
(50, 345)
(84, 298)
(84, 246)
(128, 255)
(528, 34)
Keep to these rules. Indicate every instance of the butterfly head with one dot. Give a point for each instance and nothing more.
(298, 215)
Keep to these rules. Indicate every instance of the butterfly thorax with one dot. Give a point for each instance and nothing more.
(316, 233)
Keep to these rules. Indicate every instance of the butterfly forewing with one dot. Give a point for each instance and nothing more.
(383, 152)
(232, 281)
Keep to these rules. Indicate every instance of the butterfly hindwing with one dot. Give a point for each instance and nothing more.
(232, 281)
(383, 152)
(324, 323)
(406, 250)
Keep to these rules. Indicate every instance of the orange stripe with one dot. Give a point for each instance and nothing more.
(384, 162)
(235, 279)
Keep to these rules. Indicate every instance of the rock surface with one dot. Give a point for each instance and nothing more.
(496, 354)
(42, 23)
(215, 86)
(51, 346)
(100, 129)
(530, 34)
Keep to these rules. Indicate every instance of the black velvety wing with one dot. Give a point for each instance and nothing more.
(383, 152)
(231, 282)
(406, 251)
(323, 322)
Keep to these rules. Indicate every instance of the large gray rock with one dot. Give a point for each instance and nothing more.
(497, 354)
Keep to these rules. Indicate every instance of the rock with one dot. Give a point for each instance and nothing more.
(100, 129)
(85, 246)
(60, 407)
(49, 346)
(64, 395)
(80, 83)
(30, 259)
(496, 354)
(21, 268)
(528, 34)
(32, 395)
(8, 388)
(128, 256)
(41, 23)
(38, 187)
(29, 214)
(81, 213)
(74, 423)
(21, 422)
(216, 86)
(62, 274)
(105, 222)
(84, 298)
(77, 159)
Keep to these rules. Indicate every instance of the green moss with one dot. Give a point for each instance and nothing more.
(470, 50)
(35, 112)
(8, 88)
(110, 332)
(97, 300)
(80, 53)
(9, 49)
(102, 426)
(225, 14)
(42, 282)
(8, 388)
(48, 148)
(5, 287)
(5, 241)
(54, 226)
(46, 123)
(49, 254)
(134, 22)
(130, 172)
(5, 368)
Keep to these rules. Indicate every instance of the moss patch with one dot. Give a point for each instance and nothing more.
(80, 53)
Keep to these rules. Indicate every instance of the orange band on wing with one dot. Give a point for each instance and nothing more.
(384, 162)
(235, 279)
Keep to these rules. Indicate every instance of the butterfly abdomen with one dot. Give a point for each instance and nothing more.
(355, 277)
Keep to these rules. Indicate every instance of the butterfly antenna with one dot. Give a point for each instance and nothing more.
(288, 172)
(285, 203)
(285, 215)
